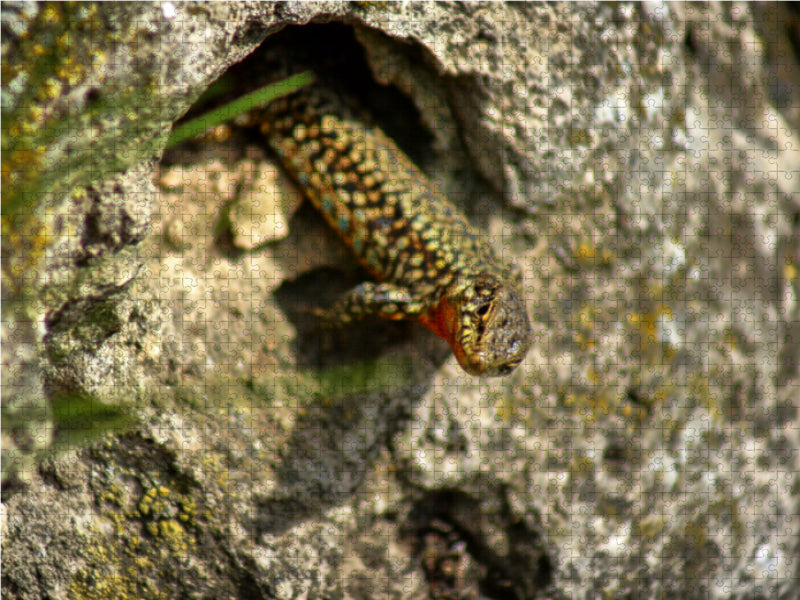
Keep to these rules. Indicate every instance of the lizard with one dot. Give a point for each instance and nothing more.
(430, 265)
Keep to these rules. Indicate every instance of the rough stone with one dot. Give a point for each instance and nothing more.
(638, 162)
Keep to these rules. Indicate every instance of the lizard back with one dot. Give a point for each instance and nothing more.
(438, 269)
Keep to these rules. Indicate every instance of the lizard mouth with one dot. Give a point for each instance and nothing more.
(491, 332)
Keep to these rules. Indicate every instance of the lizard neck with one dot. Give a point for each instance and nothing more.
(442, 319)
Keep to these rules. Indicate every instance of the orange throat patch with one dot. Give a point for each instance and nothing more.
(443, 321)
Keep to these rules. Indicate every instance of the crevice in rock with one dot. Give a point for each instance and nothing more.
(447, 529)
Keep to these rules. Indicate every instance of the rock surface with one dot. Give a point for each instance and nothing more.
(167, 430)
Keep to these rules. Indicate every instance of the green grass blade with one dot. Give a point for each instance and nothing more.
(239, 106)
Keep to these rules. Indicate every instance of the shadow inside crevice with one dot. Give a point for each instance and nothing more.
(467, 543)
(319, 343)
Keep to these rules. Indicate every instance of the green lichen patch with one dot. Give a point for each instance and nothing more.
(81, 419)
(67, 119)
(380, 375)
(54, 53)
(152, 513)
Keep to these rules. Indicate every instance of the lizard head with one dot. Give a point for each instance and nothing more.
(488, 327)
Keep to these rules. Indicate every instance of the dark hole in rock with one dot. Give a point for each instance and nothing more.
(333, 52)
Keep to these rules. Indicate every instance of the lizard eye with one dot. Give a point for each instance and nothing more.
(482, 310)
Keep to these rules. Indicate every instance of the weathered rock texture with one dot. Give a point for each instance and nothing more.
(166, 430)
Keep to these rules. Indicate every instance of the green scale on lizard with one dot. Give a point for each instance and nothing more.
(430, 264)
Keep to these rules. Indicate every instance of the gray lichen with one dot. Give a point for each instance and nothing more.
(634, 159)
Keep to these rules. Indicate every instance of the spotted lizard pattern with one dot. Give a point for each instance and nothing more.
(429, 263)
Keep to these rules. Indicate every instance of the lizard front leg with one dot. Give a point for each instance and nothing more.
(385, 300)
